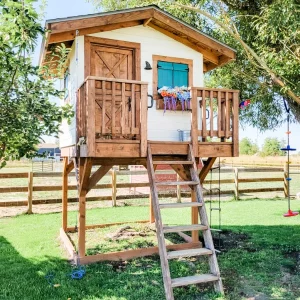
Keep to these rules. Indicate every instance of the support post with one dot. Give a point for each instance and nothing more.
(195, 233)
(285, 175)
(194, 129)
(81, 224)
(114, 187)
(85, 167)
(65, 195)
(30, 191)
(152, 217)
(178, 190)
(236, 183)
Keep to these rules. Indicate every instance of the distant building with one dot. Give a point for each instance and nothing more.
(50, 149)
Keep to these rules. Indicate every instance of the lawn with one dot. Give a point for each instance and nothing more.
(260, 257)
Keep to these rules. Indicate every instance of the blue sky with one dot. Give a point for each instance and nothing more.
(67, 8)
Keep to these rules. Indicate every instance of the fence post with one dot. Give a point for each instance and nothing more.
(30, 190)
(236, 183)
(114, 187)
(178, 190)
(285, 182)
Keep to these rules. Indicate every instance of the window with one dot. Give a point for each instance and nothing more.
(172, 74)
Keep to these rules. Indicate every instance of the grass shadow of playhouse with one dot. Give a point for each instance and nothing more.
(257, 261)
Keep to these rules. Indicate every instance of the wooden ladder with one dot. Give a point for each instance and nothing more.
(190, 177)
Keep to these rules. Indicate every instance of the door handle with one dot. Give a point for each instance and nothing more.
(151, 97)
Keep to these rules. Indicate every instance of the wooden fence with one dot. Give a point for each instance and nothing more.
(114, 186)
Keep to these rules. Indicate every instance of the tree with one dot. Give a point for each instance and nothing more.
(266, 36)
(272, 146)
(248, 147)
(26, 113)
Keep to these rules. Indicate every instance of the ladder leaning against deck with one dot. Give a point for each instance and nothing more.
(191, 179)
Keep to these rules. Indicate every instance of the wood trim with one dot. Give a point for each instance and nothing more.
(192, 33)
(136, 47)
(115, 18)
(156, 58)
(70, 35)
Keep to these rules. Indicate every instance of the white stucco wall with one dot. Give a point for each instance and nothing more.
(161, 126)
(76, 78)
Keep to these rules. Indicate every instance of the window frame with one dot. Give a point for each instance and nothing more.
(156, 58)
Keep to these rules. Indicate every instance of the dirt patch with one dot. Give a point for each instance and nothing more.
(227, 240)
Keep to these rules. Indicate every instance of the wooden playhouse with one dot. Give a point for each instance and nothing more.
(117, 63)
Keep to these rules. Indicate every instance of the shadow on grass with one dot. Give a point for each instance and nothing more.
(257, 261)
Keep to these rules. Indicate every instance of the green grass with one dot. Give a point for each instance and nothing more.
(260, 258)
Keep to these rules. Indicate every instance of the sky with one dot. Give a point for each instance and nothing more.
(67, 8)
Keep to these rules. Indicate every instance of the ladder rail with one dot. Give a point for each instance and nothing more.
(207, 236)
(159, 229)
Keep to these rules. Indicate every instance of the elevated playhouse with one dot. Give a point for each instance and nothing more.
(116, 73)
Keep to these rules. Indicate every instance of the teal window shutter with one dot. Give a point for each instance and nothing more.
(180, 74)
(172, 74)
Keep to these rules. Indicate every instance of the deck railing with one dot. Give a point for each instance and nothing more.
(112, 109)
(220, 116)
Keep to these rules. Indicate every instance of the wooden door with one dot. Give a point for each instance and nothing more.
(111, 62)
(117, 104)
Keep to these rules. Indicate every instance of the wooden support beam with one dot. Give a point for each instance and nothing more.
(65, 193)
(206, 168)
(130, 254)
(85, 167)
(97, 176)
(87, 227)
(146, 22)
(114, 187)
(67, 244)
(85, 172)
(70, 167)
(152, 217)
(182, 172)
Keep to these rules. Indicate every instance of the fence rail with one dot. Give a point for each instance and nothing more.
(114, 186)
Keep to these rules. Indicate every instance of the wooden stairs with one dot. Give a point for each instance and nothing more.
(187, 170)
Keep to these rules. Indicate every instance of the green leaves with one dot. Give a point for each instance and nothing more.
(26, 112)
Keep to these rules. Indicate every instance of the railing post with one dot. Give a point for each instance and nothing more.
(30, 191)
(235, 124)
(178, 190)
(143, 125)
(285, 182)
(91, 109)
(194, 129)
(114, 187)
(236, 183)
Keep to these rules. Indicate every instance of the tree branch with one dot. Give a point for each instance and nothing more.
(276, 80)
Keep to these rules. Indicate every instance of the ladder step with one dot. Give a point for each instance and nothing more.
(189, 252)
(173, 162)
(180, 205)
(177, 183)
(184, 228)
(193, 279)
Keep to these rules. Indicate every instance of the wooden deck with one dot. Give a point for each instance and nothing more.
(111, 117)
